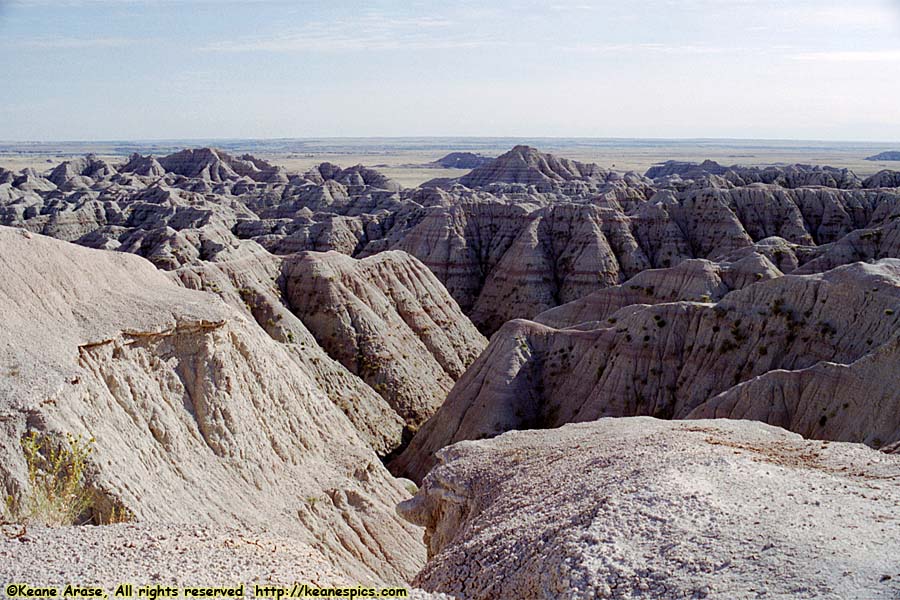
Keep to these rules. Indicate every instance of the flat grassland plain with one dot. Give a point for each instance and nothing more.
(408, 160)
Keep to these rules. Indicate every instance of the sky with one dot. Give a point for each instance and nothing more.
(190, 69)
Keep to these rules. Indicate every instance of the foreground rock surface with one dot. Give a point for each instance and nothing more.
(642, 508)
(199, 416)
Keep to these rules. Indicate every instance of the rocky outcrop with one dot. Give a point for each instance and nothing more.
(790, 176)
(462, 160)
(357, 176)
(883, 179)
(145, 166)
(869, 244)
(564, 253)
(692, 280)
(889, 155)
(211, 165)
(192, 213)
(685, 170)
(637, 507)
(828, 401)
(668, 359)
(529, 166)
(90, 168)
(185, 398)
(387, 319)
(247, 277)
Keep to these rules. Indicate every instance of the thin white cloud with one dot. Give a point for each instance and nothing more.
(75, 43)
(847, 16)
(648, 47)
(850, 56)
(371, 32)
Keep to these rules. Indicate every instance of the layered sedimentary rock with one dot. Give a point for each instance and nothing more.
(472, 232)
(829, 401)
(527, 166)
(515, 238)
(637, 507)
(209, 164)
(387, 319)
(198, 416)
(250, 279)
(693, 280)
(790, 176)
(191, 213)
(668, 359)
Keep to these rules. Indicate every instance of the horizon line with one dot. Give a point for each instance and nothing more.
(442, 137)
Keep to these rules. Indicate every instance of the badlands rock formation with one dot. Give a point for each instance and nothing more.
(883, 179)
(669, 359)
(288, 329)
(791, 176)
(199, 417)
(388, 320)
(529, 228)
(830, 401)
(641, 508)
(187, 213)
(527, 235)
(695, 279)
(527, 166)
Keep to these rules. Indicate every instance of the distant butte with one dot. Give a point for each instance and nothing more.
(889, 155)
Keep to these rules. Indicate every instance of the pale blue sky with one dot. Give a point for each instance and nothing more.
(155, 69)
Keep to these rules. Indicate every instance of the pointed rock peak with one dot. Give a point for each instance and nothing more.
(146, 166)
(208, 164)
(527, 165)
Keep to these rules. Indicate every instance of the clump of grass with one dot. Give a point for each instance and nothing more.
(58, 493)
(118, 514)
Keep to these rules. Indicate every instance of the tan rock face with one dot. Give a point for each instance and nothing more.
(637, 507)
(248, 278)
(668, 359)
(564, 253)
(387, 319)
(187, 213)
(828, 401)
(691, 280)
(199, 417)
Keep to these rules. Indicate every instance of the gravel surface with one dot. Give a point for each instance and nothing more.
(170, 555)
